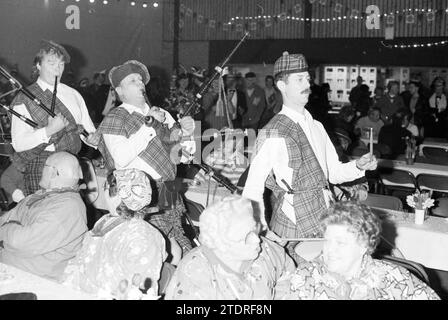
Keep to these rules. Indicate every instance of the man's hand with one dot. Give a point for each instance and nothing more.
(157, 114)
(187, 125)
(93, 139)
(367, 162)
(56, 124)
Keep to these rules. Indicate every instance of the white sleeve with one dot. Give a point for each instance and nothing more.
(24, 137)
(260, 167)
(124, 150)
(85, 117)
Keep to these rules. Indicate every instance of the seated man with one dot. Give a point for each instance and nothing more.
(346, 270)
(372, 120)
(233, 262)
(47, 228)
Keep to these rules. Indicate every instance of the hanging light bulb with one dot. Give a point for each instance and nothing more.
(132, 3)
(155, 4)
(144, 5)
(105, 2)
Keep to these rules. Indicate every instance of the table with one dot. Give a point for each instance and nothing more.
(425, 244)
(198, 193)
(433, 142)
(44, 289)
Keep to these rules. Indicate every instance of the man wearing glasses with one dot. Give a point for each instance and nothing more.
(46, 229)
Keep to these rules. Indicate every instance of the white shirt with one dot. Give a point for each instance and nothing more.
(125, 151)
(273, 155)
(24, 137)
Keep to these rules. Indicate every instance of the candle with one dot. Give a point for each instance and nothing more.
(371, 142)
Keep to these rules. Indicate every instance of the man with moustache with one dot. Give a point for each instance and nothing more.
(61, 133)
(296, 159)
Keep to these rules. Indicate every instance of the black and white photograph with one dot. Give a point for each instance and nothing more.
(213, 151)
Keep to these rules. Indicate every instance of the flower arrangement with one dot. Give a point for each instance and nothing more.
(420, 200)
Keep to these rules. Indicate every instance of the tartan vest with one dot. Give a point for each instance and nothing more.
(308, 180)
(120, 122)
(66, 139)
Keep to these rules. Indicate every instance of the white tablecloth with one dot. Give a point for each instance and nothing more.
(44, 289)
(426, 244)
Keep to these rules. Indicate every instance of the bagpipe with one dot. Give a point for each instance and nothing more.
(17, 86)
(193, 107)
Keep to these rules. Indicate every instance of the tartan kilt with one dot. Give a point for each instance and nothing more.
(307, 221)
(33, 172)
(169, 223)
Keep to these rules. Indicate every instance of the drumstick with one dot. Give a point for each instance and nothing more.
(371, 142)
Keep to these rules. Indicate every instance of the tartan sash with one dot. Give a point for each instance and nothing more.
(66, 139)
(308, 180)
(120, 122)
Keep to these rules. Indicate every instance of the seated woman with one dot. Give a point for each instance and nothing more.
(346, 270)
(121, 247)
(233, 261)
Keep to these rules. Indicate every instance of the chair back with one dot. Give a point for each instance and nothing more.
(91, 191)
(383, 202)
(440, 208)
(413, 267)
(398, 177)
(436, 155)
(434, 182)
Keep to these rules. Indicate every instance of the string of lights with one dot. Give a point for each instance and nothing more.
(415, 45)
(132, 3)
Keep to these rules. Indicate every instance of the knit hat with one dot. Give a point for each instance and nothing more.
(47, 45)
(118, 73)
(290, 63)
(134, 188)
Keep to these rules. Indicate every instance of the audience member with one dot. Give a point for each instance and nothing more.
(438, 109)
(236, 101)
(392, 137)
(391, 102)
(215, 116)
(255, 102)
(233, 261)
(122, 243)
(273, 101)
(372, 120)
(346, 270)
(356, 91)
(418, 106)
(345, 121)
(377, 95)
(46, 229)
(363, 102)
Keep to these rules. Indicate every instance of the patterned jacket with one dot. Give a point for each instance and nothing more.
(120, 122)
(308, 182)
